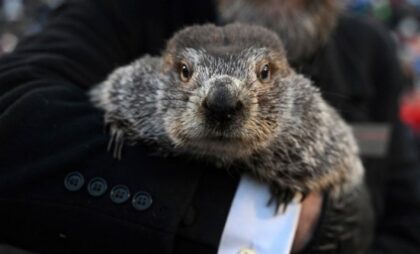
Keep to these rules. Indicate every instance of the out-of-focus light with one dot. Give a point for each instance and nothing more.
(410, 110)
(408, 27)
(12, 9)
(8, 42)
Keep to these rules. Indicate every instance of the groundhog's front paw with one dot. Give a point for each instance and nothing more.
(282, 196)
(116, 140)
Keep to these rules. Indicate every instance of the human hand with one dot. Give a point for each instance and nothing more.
(308, 219)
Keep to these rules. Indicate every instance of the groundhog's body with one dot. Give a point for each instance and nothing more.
(315, 151)
(211, 96)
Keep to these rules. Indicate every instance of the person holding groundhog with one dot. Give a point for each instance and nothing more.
(61, 191)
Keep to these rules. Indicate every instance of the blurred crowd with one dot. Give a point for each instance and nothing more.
(402, 17)
(24, 17)
(20, 18)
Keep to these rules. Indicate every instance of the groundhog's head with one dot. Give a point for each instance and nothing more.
(229, 91)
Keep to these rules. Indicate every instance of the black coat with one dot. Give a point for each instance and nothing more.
(49, 129)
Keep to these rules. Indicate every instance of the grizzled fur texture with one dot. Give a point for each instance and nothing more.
(303, 25)
(210, 95)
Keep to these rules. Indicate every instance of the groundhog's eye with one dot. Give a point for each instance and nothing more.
(265, 73)
(184, 72)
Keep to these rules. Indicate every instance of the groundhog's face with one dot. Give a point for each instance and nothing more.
(228, 93)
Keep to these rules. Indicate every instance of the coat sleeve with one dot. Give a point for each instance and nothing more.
(43, 84)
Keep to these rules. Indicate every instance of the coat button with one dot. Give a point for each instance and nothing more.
(247, 251)
(142, 201)
(74, 181)
(120, 194)
(97, 187)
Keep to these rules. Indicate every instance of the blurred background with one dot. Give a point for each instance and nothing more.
(402, 18)
(19, 18)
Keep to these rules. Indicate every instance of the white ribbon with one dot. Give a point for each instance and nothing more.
(253, 227)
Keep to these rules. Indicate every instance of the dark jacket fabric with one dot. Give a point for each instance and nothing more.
(48, 129)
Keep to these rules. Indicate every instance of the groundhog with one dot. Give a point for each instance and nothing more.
(228, 94)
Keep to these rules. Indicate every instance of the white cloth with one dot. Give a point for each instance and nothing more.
(253, 227)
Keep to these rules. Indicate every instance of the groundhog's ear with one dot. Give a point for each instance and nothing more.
(171, 45)
(281, 64)
(168, 62)
(284, 68)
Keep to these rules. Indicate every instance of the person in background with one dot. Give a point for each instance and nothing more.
(52, 141)
(402, 17)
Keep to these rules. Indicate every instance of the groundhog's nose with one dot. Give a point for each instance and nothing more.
(221, 104)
